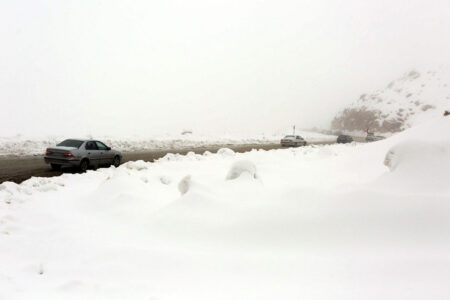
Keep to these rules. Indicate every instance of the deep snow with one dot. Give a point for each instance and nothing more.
(355, 221)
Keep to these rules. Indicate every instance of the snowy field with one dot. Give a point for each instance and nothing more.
(22, 145)
(355, 221)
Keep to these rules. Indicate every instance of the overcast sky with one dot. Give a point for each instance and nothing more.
(144, 67)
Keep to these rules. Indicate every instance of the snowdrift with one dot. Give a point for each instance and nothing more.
(328, 222)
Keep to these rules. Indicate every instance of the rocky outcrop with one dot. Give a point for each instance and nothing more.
(412, 98)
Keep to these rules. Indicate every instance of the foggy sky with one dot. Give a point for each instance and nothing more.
(143, 67)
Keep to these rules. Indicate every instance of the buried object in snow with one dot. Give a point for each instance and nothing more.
(242, 166)
(185, 184)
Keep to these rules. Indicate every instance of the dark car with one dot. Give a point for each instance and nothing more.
(371, 137)
(82, 154)
(344, 139)
(292, 140)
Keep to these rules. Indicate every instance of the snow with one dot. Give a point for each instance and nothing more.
(320, 222)
(242, 167)
(22, 145)
(412, 99)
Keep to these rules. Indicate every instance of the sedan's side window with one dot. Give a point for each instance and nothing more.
(91, 146)
(101, 146)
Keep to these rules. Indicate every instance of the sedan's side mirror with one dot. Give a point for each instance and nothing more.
(108, 148)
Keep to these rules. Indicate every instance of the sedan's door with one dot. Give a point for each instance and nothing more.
(106, 156)
(93, 153)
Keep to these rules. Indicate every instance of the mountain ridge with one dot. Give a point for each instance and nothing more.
(409, 100)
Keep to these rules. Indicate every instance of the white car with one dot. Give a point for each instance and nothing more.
(81, 154)
(292, 140)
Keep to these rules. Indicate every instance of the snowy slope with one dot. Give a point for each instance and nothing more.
(355, 221)
(20, 145)
(410, 100)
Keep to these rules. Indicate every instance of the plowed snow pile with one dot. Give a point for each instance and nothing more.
(332, 222)
(23, 145)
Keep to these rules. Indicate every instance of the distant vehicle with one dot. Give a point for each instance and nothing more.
(292, 140)
(371, 137)
(82, 154)
(344, 139)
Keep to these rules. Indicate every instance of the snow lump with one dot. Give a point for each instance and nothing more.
(242, 166)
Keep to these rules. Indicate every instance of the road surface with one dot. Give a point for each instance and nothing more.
(21, 168)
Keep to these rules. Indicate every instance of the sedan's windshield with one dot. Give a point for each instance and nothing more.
(289, 137)
(70, 143)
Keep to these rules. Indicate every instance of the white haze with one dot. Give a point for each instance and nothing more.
(143, 67)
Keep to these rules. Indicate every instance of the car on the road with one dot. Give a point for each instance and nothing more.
(292, 140)
(371, 137)
(344, 139)
(81, 154)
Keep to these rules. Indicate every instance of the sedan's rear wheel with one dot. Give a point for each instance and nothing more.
(116, 161)
(84, 165)
(55, 167)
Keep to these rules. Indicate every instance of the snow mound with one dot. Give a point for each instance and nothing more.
(419, 167)
(207, 153)
(165, 180)
(240, 167)
(226, 152)
(417, 156)
(185, 184)
(138, 165)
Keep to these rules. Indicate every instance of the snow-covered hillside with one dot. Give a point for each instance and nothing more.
(410, 100)
(20, 145)
(354, 221)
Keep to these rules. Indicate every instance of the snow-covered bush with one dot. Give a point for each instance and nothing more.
(242, 166)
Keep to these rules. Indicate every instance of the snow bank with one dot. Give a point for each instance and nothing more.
(329, 222)
(20, 145)
(419, 166)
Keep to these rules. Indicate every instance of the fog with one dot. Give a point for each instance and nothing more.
(145, 67)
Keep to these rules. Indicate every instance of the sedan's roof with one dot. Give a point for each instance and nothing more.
(83, 140)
